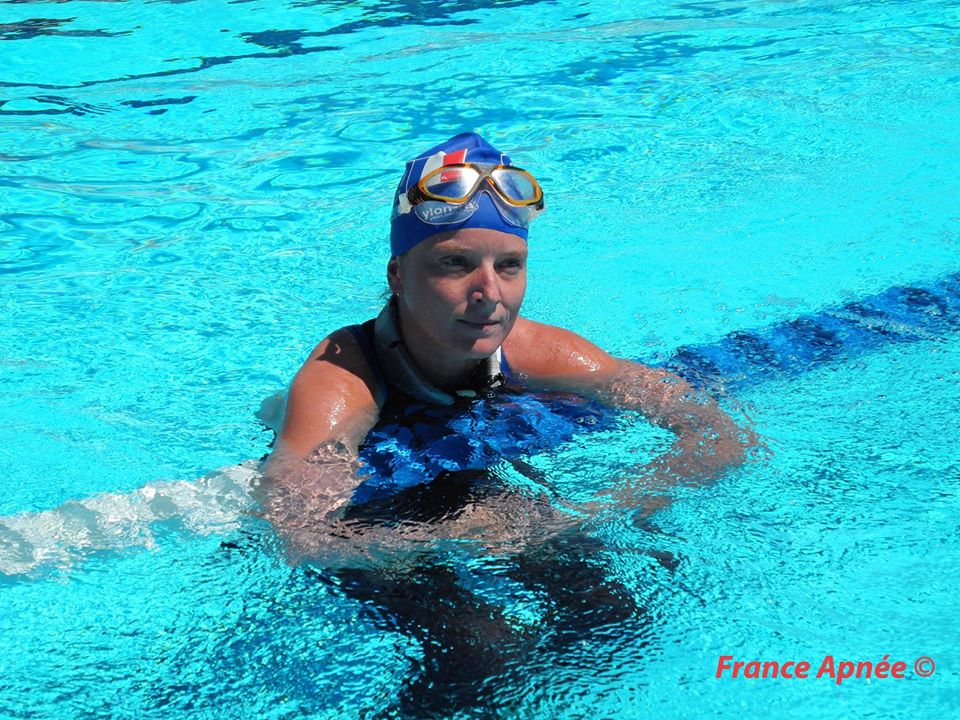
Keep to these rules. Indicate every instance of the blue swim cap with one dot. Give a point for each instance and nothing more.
(407, 230)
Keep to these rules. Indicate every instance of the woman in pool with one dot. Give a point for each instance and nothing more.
(452, 330)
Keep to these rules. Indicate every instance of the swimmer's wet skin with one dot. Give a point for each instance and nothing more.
(458, 276)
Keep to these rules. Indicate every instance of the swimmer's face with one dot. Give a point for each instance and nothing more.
(461, 292)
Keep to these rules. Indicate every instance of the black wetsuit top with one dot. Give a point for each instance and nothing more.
(364, 335)
(414, 443)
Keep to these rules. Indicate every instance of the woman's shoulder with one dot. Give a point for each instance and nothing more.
(344, 357)
(334, 396)
(540, 351)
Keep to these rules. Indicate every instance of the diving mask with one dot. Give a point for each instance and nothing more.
(451, 194)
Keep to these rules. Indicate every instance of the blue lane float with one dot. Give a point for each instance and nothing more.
(901, 314)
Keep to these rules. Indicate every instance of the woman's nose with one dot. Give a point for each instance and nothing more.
(486, 287)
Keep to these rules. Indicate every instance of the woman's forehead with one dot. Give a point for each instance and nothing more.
(475, 240)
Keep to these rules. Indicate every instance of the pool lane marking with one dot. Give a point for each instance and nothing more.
(900, 314)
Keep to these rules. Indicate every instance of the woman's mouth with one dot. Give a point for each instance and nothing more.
(480, 324)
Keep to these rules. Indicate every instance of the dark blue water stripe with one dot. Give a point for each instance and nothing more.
(897, 315)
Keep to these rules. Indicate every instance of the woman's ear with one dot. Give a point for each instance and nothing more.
(394, 276)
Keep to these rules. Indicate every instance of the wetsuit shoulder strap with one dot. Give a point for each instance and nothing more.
(363, 334)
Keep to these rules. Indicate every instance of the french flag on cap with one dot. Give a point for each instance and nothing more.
(438, 160)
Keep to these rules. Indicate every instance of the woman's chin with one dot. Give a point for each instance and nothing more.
(485, 347)
(476, 343)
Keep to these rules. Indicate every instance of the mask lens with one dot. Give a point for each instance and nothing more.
(451, 194)
(518, 216)
(517, 185)
(451, 184)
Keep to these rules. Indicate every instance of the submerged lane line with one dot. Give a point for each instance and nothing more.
(901, 314)
(219, 500)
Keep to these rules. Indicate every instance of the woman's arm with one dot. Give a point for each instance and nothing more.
(708, 441)
(313, 472)
(307, 509)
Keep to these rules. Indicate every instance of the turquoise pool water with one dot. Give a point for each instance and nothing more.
(193, 194)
